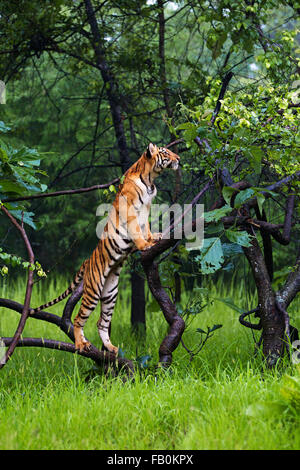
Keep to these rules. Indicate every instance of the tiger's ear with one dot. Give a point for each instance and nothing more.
(150, 150)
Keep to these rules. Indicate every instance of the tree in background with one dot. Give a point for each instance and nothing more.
(220, 78)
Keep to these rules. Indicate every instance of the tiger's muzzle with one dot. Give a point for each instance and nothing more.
(174, 164)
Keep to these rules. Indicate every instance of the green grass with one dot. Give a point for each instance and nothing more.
(220, 400)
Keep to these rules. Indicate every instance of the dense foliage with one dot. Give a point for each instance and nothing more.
(167, 61)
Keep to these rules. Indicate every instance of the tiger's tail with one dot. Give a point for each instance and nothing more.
(76, 281)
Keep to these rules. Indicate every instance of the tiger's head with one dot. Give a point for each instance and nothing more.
(161, 158)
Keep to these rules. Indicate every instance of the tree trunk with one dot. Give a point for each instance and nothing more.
(272, 320)
(111, 86)
(138, 319)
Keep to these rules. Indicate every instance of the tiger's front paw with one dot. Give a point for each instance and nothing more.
(157, 236)
(111, 348)
(82, 345)
(154, 237)
(115, 350)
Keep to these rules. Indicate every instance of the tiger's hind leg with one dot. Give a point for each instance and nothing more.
(88, 305)
(108, 299)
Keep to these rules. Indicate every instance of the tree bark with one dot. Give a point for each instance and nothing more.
(177, 325)
(138, 317)
(272, 320)
(29, 285)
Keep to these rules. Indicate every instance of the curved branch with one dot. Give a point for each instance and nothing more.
(273, 229)
(176, 322)
(42, 315)
(253, 326)
(64, 323)
(29, 285)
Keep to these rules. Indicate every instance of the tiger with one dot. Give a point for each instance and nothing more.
(127, 229)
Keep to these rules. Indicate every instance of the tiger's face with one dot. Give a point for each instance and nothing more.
(162, 158)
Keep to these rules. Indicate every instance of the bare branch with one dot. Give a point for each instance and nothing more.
(225, 83)
(100, 357)
(64, 192)
(243, 322)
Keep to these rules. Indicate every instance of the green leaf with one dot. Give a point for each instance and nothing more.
(257, 156)
(217, 214)
(214, 328)
(229, 302)
(211, 257)
(25, 154)
(242, 238)
(243, 196)
(3, 155)
(231, 249)
(227, 193)
(7, 186)
(30, 163)
(26, 217)
(202, 131)
(214, 228)
(153, 306)
(199, 330)
(260, 201)
(4, 127)
(6, 149)
(185, 125)
(190, 131)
